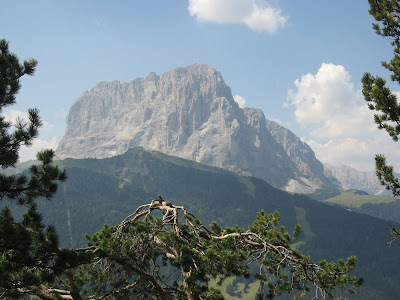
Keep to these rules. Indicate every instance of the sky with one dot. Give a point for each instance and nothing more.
(301, 62)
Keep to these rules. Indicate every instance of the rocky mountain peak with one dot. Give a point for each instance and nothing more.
(351, 178)
(189, 112)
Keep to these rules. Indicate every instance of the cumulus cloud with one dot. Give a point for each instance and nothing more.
(240, 101)
(259, 15)
(356, 152)
(29, 153)
(342, 130)
(13, 115)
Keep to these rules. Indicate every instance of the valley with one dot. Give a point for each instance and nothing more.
(100, 191)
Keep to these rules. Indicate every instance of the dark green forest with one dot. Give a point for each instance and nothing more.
(100, 191)
(383, 207)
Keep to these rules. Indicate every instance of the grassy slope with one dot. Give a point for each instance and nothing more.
(385, 208)
(250, 293)
(308, 234)
(352, 198)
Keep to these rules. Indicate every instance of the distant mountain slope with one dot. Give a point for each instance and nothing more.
(102, 191)
(382, 207)
(357, 198)
(302, 156)
(189, 112)
(351, 178)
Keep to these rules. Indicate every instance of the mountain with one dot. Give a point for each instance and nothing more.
(303, 157)
(100, 191)
(190, 113)
(351, 178)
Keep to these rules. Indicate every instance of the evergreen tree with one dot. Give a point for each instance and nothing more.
(379, 96)
(175, 256)
(27, 247)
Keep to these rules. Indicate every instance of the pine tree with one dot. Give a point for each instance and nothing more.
(379, 96)
(175, 257)
(27, 247)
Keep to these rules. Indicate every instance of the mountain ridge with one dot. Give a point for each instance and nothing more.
(105, 190)
(188, 112)
(351, 178)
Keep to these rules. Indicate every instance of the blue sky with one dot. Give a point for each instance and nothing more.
(299, 61)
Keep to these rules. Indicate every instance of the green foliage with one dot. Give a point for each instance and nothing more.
(11, 71)
(381, 99)
(396, 235)
(378, 95)
(149, 256)
(92, 196)
(27, 247)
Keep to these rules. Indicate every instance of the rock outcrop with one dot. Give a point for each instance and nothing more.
(312, 171)
(351, 178)
(189, 112)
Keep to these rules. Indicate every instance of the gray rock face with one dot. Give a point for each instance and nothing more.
(353, 179)
(189, 112)
(312, 171)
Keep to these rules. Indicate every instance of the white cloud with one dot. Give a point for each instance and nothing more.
(29, 153)
(259, 15)
(240, 101)
(12, 115)
(328, 95)
(357, 152)
(342, 130)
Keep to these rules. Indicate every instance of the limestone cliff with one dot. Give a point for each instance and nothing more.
(189, 112)
(351, 178)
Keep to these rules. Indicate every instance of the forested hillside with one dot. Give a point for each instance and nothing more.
(383, 207)
(105, 191)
